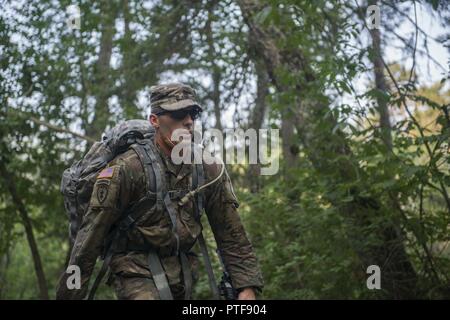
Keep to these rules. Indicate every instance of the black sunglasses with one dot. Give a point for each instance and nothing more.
(181, 114)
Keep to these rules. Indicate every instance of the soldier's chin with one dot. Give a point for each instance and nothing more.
(185, 139)
(182, 142)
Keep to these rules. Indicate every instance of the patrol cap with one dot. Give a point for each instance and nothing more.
(173, 97)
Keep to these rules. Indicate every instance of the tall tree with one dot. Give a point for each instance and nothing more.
(330, 153)
(102, 82)
(380, 83)
(9, 180)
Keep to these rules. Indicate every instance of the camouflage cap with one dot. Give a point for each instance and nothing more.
(173, 96)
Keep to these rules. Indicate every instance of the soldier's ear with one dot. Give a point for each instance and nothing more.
(154, 120)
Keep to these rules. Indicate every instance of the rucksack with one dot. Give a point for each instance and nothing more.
(78, 181)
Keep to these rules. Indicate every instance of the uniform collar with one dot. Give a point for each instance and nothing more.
(178, 170)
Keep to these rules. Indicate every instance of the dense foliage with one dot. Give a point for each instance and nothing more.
(364, 171)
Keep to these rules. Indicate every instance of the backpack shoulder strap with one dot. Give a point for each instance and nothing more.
(153, 178)
(198, 180)
(156, 181)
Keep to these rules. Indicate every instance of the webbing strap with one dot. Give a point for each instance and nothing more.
(159, 177)
(208, 267)
(159, 276)
(173, 217)
(200, 182)
(198, 179)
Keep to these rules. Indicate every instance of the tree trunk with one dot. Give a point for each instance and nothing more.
(332, 158)
(216, 72)
(257, 119)
(10, 182)
(128, 67)
(102, 83)
(4, 264)
(380, 83)
(289, 147)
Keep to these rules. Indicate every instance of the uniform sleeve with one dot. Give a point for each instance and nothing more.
(110, 196)
(237, 251)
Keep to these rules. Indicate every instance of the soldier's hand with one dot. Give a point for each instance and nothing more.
(247, 294)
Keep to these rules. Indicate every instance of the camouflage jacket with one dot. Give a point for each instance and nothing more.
(122, 185)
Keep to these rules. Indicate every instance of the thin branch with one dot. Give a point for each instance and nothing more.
(422, 52)
(420, 129)
(415, 43)
(59, 129)
(410, 20)
(428, 255)
(443, 190)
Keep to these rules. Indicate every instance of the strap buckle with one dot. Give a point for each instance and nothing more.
(125, 224)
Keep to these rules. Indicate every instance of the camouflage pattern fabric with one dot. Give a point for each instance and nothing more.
(172, 97)
(121, 185)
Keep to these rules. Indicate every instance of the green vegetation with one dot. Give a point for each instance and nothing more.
(364, 174)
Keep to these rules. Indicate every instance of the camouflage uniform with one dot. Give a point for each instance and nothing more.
(122, 185)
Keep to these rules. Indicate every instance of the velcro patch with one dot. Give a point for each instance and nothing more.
(107, 173)
(102, 192)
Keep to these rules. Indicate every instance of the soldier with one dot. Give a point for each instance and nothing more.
(120, 186)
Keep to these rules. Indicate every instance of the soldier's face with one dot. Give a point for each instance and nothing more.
(165, 125)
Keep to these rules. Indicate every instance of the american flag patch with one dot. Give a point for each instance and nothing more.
(106, 173)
